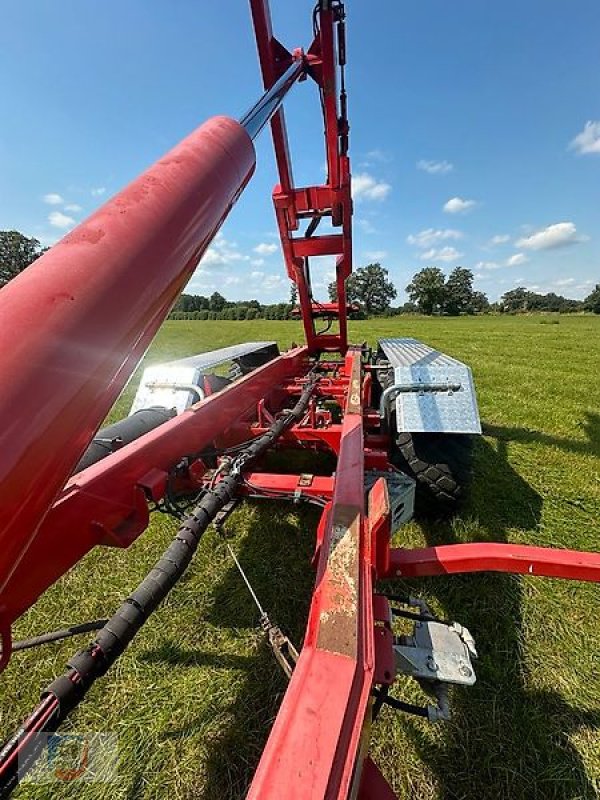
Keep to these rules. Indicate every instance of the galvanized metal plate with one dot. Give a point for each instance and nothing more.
(171, 384)
(435, 392)
(437, 652)
(206, 361)
(401, 490)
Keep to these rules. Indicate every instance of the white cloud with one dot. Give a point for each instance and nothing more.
(53, 199)
(98, 191)
(456, 205)
(435, 167)
(375, 255)
(441, 254)
(586, 286)
(257, 262)
(322, 272)
(222, 252)
(488, 265)
(72, 207)
(558, 235)
(60, 220)
(516, 259)
(367, 187)
(366, 226)
(430, 237)
(379, 155)
(564, 282)
(264, 249)
(257, 275)
(500, 238)
(213, 258)
(588, 141)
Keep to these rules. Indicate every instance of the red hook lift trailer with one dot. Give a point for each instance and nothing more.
(195, 441)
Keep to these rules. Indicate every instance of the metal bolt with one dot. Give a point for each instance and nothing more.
(464, 670)
(431, 665)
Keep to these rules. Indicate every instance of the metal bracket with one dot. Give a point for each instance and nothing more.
(437, 655)
(401, 491)
(284, 651)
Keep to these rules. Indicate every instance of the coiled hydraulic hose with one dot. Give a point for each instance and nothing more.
(66, 692)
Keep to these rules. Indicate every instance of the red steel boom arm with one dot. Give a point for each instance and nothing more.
(76, 323)
(101, 294)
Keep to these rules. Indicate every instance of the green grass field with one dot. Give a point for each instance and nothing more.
(193, 698)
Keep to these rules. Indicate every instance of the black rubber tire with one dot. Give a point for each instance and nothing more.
(441, 463)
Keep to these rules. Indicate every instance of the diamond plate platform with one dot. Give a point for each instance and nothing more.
(178, 384)
(433, 392)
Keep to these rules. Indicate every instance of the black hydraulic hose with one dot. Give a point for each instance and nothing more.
(67, 691)
(57, 636)
(383, 698)
(408, 708)
(400, 612)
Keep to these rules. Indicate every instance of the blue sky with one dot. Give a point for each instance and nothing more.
(475, 129)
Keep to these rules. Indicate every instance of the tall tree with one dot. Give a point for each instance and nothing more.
(368, 286)
(217, 302)
(428, 289)
(459, 292)
(592, 301)
(16, 253)
(293, 294)
(479, 302)
(516, 299)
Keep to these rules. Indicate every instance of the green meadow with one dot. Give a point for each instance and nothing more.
(192, 700)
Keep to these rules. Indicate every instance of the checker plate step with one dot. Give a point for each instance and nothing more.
(432, 392)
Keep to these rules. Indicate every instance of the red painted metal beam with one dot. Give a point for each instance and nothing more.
(314, 746)
(485, 557)
(331, 244)
(319, 486)
(106, 503)
(373, 785)
(326, 53)
(76, 323)
(332, 199)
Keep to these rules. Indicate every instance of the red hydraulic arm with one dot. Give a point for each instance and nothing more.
(294, 206)
(75, 324)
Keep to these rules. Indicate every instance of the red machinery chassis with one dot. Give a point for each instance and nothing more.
(101, 294)
(322, 728)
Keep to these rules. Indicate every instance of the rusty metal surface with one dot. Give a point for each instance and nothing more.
(353, 403)
(338, 618)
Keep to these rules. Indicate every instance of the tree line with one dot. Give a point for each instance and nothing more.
(197, 306)
(430, 292)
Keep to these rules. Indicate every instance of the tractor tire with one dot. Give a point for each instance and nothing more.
(441, 463)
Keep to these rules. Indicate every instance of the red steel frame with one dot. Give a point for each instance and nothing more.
(331, 199)
(81, 357)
